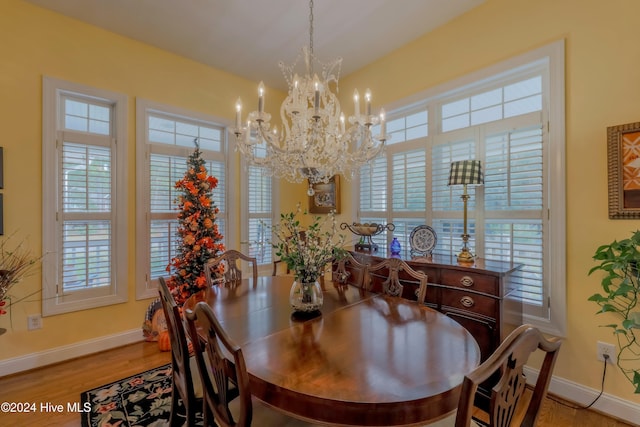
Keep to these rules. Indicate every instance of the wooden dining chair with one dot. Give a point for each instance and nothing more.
(227, 396)
(233, 273)
(349, 271)
(506, 396)
(186, 384)
(392, 285)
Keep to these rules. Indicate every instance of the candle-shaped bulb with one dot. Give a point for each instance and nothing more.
(261, 97)
(383, 125)
(294, 91)
(367, 98)
(316, 101)
(238, 113)
(342, 123)
(356, 102)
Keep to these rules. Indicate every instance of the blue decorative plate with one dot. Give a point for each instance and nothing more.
(423, 239)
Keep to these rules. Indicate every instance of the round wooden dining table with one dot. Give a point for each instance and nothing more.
(366, 360)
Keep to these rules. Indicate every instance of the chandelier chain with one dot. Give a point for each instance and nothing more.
(311, 26)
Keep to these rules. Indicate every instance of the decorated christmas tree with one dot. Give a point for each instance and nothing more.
(200, 239)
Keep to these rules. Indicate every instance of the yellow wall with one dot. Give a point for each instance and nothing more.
(602, 81)
(37, 42)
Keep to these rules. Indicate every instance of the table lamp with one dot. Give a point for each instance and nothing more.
(466, 172)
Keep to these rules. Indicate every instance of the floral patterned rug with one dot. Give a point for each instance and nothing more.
(141, 400)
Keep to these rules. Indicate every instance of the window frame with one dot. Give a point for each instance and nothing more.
(146, 287)
(53, 301)
(246, 216)
(551, 58)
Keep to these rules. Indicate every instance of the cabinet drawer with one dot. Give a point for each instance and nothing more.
(468, 301)
(472, 281)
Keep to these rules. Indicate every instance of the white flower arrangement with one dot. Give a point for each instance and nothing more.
(307, 251)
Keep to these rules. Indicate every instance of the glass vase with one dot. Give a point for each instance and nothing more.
(395, 247)
(306, 297)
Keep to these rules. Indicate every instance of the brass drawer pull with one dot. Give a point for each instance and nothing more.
(467, 301)
(466, 281)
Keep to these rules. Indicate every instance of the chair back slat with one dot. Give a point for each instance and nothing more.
(509, 360)
(393, 284)
(224, 374)
(349, 271)
(182, 375)
(233, 273)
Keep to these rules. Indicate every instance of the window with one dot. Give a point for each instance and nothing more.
(84, 197)
(511, 117)
(166, 138)
(260, 197)
(393, 188)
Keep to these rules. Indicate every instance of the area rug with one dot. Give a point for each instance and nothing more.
(142, 400)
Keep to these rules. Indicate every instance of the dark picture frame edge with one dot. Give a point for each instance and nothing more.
(326, 197)
(623, 204)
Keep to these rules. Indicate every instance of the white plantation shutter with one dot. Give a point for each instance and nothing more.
(86, 178)
(86, 255)
(373, 194)
(373, 186)
(408, 192)
(520, 242)
(409, 178)
(164, 172)
(259, 213)
(514, 207)
(217, 169)
(86, 216)
(513, 170)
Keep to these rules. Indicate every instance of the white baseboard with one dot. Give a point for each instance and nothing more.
(60, 354)
(581, 395)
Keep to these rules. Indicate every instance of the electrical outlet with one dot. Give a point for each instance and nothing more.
(34, 322)
(608, 349)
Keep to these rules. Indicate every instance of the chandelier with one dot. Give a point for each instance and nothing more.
(316, 142)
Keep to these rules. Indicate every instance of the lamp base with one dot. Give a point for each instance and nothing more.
(466, 257)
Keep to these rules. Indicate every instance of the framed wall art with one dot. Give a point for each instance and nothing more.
(623, 159)
(326, 197)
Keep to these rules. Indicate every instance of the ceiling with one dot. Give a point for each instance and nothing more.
(249, 37)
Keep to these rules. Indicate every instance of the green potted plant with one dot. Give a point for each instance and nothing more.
(620, 262)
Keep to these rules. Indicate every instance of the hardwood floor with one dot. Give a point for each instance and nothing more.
(62, 383)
